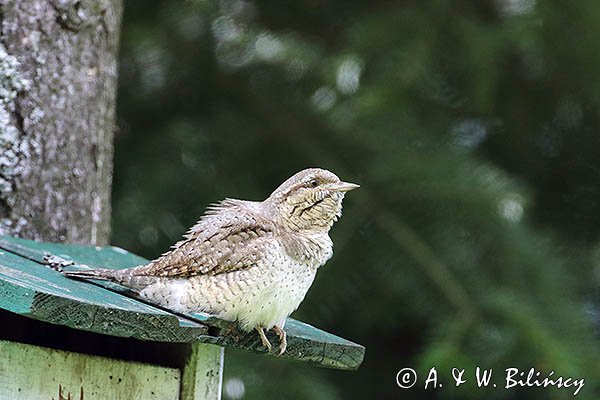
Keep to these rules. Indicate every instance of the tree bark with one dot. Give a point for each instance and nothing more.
(58, 78)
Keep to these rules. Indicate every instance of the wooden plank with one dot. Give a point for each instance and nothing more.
(203, 373)
(94, 256)
(36, 373)
(305, 342)
(36, 291)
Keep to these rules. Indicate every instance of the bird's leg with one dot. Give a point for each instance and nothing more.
(263, 338)
(282, 338)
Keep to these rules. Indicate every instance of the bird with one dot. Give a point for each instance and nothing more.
(250, 262)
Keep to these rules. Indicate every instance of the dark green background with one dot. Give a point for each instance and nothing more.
(472, 127)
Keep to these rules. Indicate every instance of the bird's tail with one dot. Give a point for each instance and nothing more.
(125, 277)
(103, 274)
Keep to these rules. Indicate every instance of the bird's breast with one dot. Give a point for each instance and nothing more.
(263, 295)
(310, 250)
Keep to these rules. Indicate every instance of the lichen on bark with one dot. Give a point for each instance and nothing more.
(58, 76)
(12, 83)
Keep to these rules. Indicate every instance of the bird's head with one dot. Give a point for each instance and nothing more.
(309, 200)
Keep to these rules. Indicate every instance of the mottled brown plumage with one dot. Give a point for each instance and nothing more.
(246, 261)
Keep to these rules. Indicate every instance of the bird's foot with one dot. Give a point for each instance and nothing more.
(282, 339)
(263, 338)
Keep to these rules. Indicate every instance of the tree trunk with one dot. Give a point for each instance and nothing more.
(58, 78)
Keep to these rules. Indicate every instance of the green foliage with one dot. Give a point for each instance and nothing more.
(471, 128)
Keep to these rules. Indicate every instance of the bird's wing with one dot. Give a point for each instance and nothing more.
(228, 238)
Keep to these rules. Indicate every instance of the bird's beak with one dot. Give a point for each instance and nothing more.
(344, 186)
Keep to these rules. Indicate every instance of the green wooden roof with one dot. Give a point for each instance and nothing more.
(30, 287)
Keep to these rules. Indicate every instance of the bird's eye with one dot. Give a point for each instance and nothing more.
(313, 183)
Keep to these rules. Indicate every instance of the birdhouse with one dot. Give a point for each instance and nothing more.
(66, 339)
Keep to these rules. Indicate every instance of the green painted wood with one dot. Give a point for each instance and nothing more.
(34, 290)
(203, 373)
(305, 342)
(36, 373)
